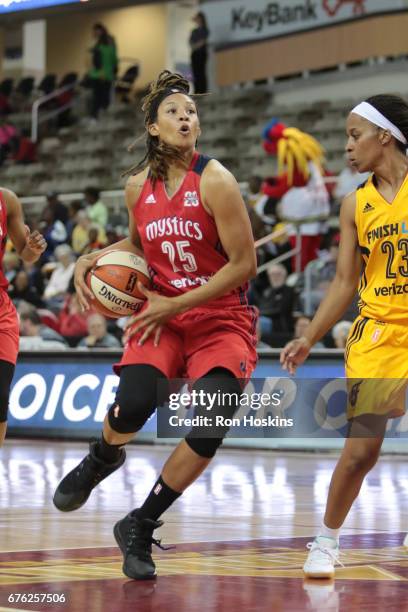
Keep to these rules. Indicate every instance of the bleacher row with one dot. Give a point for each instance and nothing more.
(232, 124)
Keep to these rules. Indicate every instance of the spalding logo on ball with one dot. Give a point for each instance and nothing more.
(113, 281)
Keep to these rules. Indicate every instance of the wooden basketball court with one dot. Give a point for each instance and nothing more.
(239, 533)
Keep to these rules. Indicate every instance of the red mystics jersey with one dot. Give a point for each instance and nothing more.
(3, 239)
(179, 238)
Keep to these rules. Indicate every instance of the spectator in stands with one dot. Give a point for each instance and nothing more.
(327, 269)
(340, 333)
(9, 139)
(11, 265)
(280, 245)
(80, 232)
(198, 46)
(98, 336)
(57, 286)
(35, 336)
(22, 290)
(94, 244)
(318, 275)
(56, 207)
(73, 210)
(35, 278)
(54, 232)
(5, 107)
(258, 227)
(260, 343)
(276, 303)
(72, 320)
(104, 69)
(111, 235)
(96, 209)
(26, 150)
(263, 205)
(254, 191)
(301, 323)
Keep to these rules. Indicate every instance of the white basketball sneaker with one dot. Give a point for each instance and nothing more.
(323, 556)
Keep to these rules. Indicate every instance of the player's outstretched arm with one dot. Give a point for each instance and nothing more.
(340, 294)
(29, 245)
(132, 243)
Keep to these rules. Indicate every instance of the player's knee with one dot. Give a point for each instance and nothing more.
(204, 447)
(362, 460)
(128, 415)
(221, 399)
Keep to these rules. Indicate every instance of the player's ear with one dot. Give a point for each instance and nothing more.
(385, 136)
(153, 129)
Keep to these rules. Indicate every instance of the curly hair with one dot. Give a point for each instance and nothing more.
(159, 155)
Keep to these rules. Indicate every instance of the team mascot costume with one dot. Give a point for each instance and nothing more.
(299, 185)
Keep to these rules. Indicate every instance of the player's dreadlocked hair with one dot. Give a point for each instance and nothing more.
(159, 155)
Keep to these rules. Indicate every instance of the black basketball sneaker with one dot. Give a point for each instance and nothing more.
(73, 490)
(134, 536)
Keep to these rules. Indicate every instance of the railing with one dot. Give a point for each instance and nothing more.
(114, 201)
(36, 119)
(296, 251)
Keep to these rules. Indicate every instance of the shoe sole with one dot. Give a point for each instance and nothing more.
(60, 504)
(62, 507)
(327, 575)
(122, 547)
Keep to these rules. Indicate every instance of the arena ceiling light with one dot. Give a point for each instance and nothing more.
(13, 6)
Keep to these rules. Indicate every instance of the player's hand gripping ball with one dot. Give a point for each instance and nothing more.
(113, 281)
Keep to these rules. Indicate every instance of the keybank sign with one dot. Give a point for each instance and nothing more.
(11, 6)
(235, 21)
(274, 14)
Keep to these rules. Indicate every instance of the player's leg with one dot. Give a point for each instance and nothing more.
(143, 369)
(136, 400)
(183, 467)
(358, 457)
(6, 376)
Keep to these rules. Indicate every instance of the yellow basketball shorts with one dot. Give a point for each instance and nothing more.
(376, 357)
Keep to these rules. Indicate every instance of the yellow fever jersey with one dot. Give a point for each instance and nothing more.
(382, 229)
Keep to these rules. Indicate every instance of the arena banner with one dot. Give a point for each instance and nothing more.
(69, 396)
(236, 21)
(12, 6)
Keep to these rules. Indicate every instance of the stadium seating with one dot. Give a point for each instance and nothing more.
(232, 122)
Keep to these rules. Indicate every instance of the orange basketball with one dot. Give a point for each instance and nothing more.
(113, 281)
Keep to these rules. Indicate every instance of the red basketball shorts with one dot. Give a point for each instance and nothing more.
(9, 329)
(198, 341)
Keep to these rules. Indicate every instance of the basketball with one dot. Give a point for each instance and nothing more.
(113, 281)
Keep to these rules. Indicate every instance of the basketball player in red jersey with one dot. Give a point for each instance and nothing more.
(187, 216)
(29, 246)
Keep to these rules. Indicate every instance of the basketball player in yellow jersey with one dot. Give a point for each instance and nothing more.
(374, 252)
